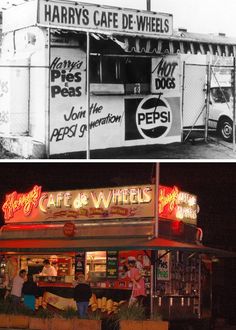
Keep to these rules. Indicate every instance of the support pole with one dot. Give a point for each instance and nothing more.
(88, 95)
(49, 96)
(149, 5)
(152, 279)
(207, 100)
(156, 199)
(234, 103)
(151, 288)
(182, 102)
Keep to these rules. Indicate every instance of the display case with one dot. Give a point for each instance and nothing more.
(96, 266)
(2, 271)
(177, 295)
(64, 266)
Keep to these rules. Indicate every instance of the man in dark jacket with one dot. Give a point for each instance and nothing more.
(30, 291)
(82, 294)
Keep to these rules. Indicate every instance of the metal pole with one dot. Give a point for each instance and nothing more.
(234, 103)
(151, 290)
(88, 96)
(149, 5)
(182, 103)
(207, 99)
(49, 95)
(157, 199)
(199, 286)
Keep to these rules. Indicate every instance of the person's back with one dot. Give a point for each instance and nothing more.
(30, 288)
(30, 291)
(17, 285)
(82, 292)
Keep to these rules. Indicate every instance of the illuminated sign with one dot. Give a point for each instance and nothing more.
(24, 202)
(82, 16)
(177, 205)
(108, 203)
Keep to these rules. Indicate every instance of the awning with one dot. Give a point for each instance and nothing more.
(179, 42)
(52, 245)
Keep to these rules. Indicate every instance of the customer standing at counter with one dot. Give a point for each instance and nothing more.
(48, 269)
(17, 285)
(30, 292)
(82, 294)
(11, 272)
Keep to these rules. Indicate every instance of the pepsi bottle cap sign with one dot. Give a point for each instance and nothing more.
(154, 117)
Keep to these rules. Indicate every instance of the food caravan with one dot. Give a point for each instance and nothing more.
(68, 57)
(96, 232)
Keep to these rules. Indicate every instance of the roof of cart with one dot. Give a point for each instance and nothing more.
(180, 34)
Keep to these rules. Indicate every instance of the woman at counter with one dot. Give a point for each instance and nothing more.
(138, 290)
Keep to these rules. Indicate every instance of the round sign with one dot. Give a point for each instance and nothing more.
(153, 117)
(69, 229)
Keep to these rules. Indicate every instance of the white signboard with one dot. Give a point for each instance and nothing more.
(166, 75)
(82, 16)
(68, 114)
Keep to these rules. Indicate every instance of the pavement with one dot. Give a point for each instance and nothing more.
(194, 148)
(215, 148)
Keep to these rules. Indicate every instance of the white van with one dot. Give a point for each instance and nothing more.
(221, 107)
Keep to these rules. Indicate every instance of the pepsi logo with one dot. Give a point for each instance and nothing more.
(153, 117)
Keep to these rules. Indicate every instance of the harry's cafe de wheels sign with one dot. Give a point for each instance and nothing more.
(103, 203)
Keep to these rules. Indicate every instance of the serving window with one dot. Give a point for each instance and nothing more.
(126, 71)
(95, 265)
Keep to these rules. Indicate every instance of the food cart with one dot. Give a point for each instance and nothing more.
(63, 58)
(97, 231)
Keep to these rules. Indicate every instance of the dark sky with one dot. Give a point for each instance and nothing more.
(213, 183)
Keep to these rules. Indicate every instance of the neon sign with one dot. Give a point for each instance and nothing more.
(25, 202)
(102, 199)
(121, 202)
(177, 205)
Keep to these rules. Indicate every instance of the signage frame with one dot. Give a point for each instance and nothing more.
(126, 16)
(35, 206)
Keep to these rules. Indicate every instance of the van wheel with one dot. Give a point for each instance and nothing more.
(225, 129)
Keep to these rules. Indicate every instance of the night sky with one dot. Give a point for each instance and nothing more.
(213, 183)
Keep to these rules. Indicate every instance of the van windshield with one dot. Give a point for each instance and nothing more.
(221, 94)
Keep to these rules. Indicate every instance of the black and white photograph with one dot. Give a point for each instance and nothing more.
(117, 165)
(141, 79)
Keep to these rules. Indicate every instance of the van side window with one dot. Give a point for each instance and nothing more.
(221, 95)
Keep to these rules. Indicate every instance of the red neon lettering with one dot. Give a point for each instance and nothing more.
(15, 202)
(167, 199)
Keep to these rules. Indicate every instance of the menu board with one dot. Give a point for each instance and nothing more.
(112, 264)
(80, 262)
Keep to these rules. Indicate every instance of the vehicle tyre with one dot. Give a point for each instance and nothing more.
(225, 129)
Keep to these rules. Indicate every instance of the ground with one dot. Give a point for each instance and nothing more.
(196, 148)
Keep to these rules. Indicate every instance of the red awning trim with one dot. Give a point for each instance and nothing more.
(49, 245)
